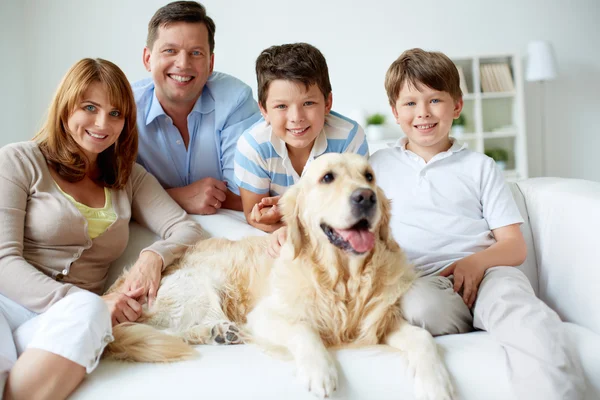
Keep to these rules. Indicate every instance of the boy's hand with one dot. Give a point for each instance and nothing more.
(269, 201)
(267, 211)
(277, 240)
(467, 276)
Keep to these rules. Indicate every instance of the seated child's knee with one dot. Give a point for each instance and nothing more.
(432, 304)
(428, 297)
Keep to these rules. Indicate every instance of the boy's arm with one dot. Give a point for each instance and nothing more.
(265, 219)
(358, 143)
(241, 118)
(510, 249)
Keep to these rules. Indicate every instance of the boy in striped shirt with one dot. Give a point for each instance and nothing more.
(294, 97)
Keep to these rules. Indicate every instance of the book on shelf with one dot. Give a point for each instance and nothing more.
(463, 82)
(496, 78)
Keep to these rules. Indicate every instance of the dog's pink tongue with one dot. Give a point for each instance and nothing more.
(360, 240)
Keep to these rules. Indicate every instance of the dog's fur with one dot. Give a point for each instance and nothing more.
(330, 286)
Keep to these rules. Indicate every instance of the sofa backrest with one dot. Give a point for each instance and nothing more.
(529, 267)
(565, 215)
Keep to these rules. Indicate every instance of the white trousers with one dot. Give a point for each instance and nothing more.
(540, 361)
(77, 327)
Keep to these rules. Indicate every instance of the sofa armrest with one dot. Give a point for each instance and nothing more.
(565, 215)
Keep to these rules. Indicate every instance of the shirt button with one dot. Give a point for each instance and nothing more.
(65, 271)
(178, 142)
(75, 255)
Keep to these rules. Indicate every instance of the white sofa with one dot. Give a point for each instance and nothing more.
(562, 220)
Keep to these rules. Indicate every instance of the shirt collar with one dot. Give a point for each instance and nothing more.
(319, 147)
(454, 148)
(204, 105)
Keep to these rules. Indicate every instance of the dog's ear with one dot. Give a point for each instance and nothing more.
(290, 209)
(385, 233)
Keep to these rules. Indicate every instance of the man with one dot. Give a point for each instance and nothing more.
(189, 117)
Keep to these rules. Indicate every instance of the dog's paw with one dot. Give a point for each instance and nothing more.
(318, 374)
(432, 382)
(225, 332)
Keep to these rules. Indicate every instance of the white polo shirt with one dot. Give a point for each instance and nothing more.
(262, 164)
(443, 210)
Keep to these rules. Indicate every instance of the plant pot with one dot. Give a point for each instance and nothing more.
(375, 132)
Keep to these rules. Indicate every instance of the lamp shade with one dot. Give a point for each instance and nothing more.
(541, 63)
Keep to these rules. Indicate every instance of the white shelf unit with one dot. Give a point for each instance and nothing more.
(495, 119)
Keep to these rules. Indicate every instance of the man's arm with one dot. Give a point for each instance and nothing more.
(232, 201)
(203, 197)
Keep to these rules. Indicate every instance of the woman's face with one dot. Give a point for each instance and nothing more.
(95, 124)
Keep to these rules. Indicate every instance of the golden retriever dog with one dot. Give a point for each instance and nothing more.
(338, 281)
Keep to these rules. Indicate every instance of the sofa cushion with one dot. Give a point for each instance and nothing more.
(477, 365)
(529, 267)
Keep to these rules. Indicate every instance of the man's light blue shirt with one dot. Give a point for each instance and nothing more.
(223, 111)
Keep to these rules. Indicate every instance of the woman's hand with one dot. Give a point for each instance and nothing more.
(123, 307)
(145, 275)
(277, 239)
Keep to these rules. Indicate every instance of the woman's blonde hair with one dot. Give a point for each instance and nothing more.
(59, 147)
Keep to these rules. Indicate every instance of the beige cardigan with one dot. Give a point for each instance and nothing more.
(45, 251)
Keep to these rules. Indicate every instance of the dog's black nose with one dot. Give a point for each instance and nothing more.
(363, 199)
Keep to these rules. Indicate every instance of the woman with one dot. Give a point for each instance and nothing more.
(66, 201)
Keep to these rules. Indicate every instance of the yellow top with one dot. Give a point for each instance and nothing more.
(99, 219)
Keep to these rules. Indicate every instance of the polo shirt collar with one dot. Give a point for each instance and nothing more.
(319, 147)
(204, 105)
(454, 148)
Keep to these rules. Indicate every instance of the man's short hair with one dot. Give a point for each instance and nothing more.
(297, 62)
(429, 68)
(181, 11)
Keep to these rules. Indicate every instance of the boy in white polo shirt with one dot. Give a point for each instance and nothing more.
(454, 216)
(294, 97)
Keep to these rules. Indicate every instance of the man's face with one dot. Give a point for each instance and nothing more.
(180, 62)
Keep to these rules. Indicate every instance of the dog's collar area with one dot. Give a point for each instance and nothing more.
(357, 239)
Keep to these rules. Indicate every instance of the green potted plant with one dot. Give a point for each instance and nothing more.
(499, 155)
(458, 126)
(374, 130)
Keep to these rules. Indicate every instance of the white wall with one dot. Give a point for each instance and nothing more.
(359, 39)
(14, 113)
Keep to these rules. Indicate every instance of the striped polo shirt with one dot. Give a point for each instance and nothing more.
(262, 164)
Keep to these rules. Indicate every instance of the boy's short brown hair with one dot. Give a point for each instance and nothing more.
(417, 66)
(297, 62)
(180, 11)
